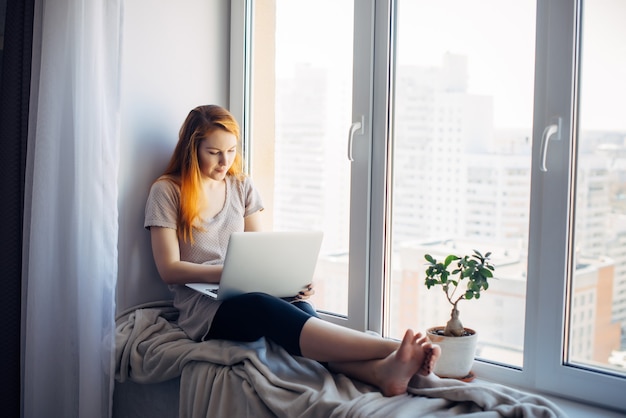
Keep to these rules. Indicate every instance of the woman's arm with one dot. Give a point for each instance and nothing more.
(252, 223)
(166, 253)
(172, 270)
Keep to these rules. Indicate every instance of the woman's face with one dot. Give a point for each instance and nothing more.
(216, 154)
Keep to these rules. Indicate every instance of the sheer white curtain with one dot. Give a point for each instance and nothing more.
(71, 219)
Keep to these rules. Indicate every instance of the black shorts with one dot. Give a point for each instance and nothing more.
(251, 316)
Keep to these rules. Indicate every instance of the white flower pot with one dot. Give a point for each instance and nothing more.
(457, 353)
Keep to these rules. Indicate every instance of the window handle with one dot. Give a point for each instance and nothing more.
(552, 130)
(355, 128)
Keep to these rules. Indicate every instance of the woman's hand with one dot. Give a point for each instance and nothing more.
(305, 293)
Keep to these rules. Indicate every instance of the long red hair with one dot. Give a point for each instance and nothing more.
(184, 167)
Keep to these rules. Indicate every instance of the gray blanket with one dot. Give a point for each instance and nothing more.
(260, 379)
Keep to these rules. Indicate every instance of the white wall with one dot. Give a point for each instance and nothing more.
(175, 57)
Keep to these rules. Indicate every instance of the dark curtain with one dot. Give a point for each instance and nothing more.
(15, 64)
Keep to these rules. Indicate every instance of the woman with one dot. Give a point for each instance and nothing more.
(192, 209)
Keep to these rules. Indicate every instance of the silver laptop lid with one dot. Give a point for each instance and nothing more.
(278, 263)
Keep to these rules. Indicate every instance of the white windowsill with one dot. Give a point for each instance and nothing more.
(576, 409)
(579, 410)
(572, 409)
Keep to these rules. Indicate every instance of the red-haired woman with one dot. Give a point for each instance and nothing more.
(192, 209)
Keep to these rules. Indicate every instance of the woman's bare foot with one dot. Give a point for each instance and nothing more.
(432, 355)
(415, 355)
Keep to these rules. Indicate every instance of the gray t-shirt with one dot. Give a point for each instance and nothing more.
(209, 247)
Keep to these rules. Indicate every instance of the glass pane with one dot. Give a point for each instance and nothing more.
(462, 114)
(597, 317)
(302, 101)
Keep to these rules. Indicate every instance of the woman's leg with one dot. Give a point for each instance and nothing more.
(251, 316)
(306, 307)
(384, 363)
(387, 364)
(391, 375)
(325, 341)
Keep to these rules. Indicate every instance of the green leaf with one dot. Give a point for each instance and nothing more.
(450, 259)
(486, 272)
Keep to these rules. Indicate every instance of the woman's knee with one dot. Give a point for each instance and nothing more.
(258, 302)
(306, 307)
(255, 308)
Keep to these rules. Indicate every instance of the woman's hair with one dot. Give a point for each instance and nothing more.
(184, 167)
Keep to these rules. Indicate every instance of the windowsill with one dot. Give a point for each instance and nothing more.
(575, 409)
(579, 410)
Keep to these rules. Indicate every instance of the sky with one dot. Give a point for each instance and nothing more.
(603, 95)
(497, 36)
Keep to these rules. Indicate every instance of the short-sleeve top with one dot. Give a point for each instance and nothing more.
(209, 247)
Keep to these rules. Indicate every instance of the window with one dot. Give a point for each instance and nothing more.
(448, 151)
(298, 113)
(485, 85)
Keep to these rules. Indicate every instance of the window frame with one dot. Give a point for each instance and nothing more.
(241, 102)
(559, 26)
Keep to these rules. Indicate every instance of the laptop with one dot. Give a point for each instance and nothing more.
(278, 263)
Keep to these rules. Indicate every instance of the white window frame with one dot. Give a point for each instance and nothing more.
(241, 89)
(552, 215)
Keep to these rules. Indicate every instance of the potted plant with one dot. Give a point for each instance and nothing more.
(458, 344)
